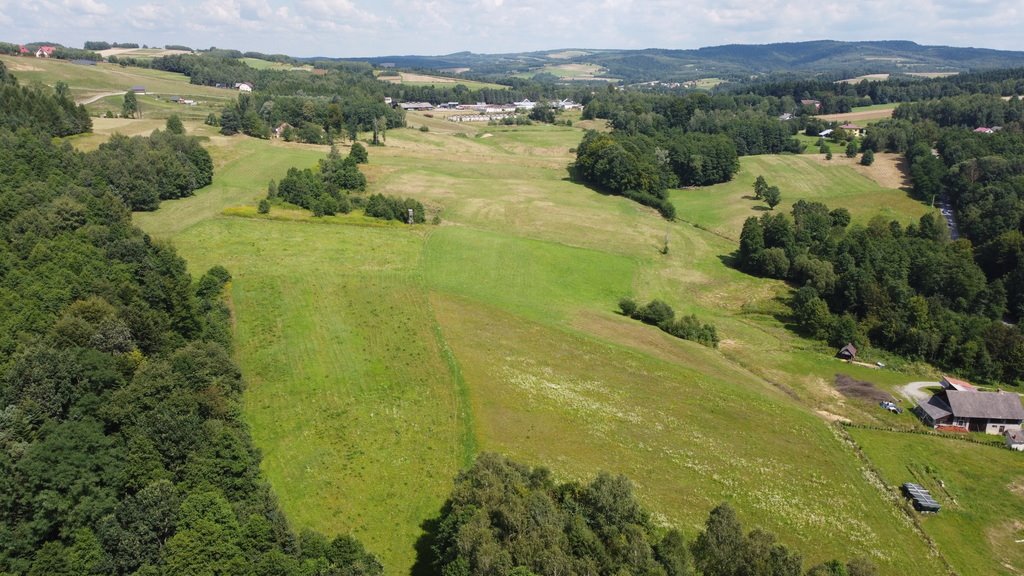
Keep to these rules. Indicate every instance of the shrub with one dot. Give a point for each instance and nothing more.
(627, 306)
(655, 312)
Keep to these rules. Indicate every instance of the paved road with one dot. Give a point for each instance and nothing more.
(915, 391)
(92, 99)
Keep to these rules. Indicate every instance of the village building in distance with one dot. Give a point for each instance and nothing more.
(959, 405)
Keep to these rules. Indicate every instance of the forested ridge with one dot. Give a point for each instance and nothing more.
(122, 450)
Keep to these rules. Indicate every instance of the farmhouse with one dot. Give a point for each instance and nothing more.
(244, 87)
(853, 129)
(848, 352)
(279, 131)
(22, 50)
(525, 104)
(815, 103)
(1014, 440)
(138, 89)
(960, 405)
(826, 132)
(983, 130)
(416, 106)
(44, 52)
(568, 104)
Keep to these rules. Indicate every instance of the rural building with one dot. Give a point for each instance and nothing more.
(950, 383)
(138, 89)
(1014, 440)
(568, 104)
(22, 50)
(848, 352)
(960, 405)
(244, 87)
(826, 132)
(44, 52)
(983, 130)
(416, 106)
(853, 129)
(815, 103)
(525, 104)
(279, 131)
(786, 116)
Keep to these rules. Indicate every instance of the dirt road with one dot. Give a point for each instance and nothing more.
(95, 97)
(916, 390)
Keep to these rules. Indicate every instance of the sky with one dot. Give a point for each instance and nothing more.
(359, 28)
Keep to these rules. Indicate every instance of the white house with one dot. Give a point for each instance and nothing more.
(1014, 440)
(525, 104)
(244, 87)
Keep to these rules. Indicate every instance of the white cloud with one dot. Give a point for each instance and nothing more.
(365, 27)
(92, 7)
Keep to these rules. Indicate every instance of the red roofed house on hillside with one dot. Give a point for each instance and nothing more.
(950, 383)
(44, 52)
(23, 50)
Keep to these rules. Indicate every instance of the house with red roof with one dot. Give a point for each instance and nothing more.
(44, 52)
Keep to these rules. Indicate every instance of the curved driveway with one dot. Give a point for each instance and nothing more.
(915, 391)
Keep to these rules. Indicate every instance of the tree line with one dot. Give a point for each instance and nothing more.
(39, 109)
(906, 289)
(122, 450)
(837, 97)
(506, 518)
(660, 314)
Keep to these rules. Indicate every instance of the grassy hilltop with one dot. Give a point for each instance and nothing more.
(381, 358)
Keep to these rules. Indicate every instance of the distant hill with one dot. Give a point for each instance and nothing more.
(731, 62)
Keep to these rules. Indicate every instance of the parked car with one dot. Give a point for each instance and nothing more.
(891, 407)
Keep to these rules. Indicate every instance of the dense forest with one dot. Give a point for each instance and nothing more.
(121, 445)
(51, 112)
(506, 518)
(910, 290)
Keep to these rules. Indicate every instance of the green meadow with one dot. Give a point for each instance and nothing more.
(980, 488)
(103, 78)
(380, 358)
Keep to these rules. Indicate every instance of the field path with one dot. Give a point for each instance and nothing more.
(95, 97)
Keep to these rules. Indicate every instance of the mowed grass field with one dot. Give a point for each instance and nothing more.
(837, 183)
(380, 359)
(112, 80)
(980, 488)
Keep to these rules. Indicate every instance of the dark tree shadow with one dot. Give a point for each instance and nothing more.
(760, 208)
(426, 558)
(749, 197)
(731, 260)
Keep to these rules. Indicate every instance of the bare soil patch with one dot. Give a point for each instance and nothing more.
(19, 67)
(853, 388)
(862, 115)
